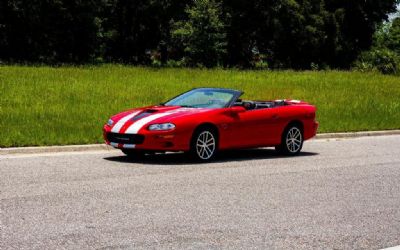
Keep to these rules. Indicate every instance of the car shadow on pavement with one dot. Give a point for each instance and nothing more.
(224, 156)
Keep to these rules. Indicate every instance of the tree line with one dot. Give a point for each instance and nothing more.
(298, 34)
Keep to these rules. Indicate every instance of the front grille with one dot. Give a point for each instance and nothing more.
(125, 138)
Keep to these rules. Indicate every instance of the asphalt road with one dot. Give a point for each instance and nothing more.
(339, 194)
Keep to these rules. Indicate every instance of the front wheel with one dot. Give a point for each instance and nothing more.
(292, 141)
(204, 145)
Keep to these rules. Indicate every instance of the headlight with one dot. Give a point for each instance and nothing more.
(163, 126)
(110, 122)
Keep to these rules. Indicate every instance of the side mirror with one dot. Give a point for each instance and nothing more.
(237, 110)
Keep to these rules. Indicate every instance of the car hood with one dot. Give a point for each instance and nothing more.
(132, 121)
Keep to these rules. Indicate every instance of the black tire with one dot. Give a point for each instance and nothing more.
(134, 153)
(291, 141)
(200, 151)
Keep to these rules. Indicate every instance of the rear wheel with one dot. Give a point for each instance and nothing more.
(292, 141)
(204, 145)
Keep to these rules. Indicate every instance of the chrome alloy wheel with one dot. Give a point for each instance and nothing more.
(294, 140)
(205, 145)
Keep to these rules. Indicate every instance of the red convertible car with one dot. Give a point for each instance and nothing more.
(203, 121)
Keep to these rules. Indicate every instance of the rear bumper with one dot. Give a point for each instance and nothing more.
(150, 140)
(311, 130)
(316, 126)
(314, 130)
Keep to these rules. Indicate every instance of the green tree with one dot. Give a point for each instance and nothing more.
(384, 55)
(202, 36)
(285, 33)
(140, 27)
(49, 31)
(296, 33)
(393, 37)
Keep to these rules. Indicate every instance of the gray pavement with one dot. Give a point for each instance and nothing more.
(338, 194)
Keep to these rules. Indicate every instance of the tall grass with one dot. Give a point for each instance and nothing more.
(69, 105)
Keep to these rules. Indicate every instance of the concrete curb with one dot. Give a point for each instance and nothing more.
(357, 134)
(100, 147)
(54, 149)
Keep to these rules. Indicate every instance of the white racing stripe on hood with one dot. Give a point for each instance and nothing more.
(121, 122)
(134, 128)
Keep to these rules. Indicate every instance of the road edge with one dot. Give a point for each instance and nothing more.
(102, 147)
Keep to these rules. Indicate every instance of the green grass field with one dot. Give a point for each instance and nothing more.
(69, 105)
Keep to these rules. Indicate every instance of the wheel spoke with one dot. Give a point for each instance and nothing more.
(203, 152)
(212, 148)
(290, 134)
(210, 140)
(208, 151)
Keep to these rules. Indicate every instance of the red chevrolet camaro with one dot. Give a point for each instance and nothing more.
(203, 121)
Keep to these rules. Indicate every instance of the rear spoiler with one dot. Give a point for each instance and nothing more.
(293, 102)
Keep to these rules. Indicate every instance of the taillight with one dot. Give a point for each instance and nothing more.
(310, 115)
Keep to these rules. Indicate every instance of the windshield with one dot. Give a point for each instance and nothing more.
(205, 98)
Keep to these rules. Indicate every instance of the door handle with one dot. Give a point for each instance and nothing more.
(275, 117)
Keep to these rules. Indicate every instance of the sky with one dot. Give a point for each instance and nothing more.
(395, 14)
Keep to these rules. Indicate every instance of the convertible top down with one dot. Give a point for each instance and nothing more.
(203, 121)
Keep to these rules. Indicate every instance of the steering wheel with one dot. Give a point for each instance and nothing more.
(249, 105)
(216, 101)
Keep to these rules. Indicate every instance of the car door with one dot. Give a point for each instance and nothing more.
(266, 126)
(255, 128)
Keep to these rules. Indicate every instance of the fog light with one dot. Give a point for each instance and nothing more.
(166, 136)
(168, 144)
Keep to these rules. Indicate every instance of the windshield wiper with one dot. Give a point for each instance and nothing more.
(186, 106)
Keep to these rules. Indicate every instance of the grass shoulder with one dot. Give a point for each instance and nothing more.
(68, 105)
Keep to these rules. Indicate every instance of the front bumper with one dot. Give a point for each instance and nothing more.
(147, 140)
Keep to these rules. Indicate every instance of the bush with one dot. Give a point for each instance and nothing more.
(383, 60)
(176, 64)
